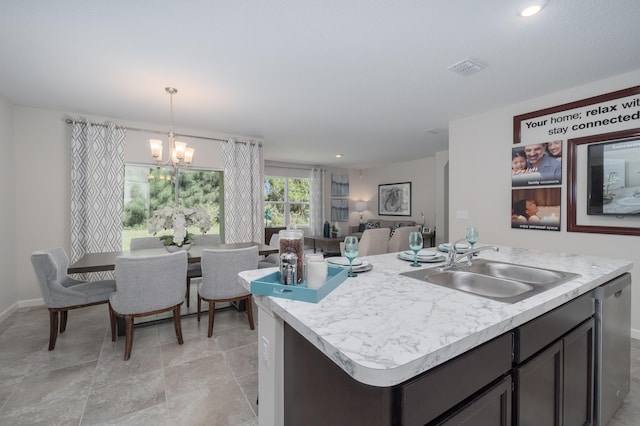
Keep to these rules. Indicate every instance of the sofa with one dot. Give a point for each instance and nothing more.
(379, 223)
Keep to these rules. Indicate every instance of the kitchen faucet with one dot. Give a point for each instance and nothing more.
(452, 259)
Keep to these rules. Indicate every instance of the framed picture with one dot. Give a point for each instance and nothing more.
(339, 210)
(339, 185)
(394, 199)
(426, 230)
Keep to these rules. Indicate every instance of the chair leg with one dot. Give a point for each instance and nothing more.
(177, 324)
(211, 315)
(188, 290)
(53, 328)
(63, 321)
(199, 306)
(250, 312)
(128, 342)
(112, 321)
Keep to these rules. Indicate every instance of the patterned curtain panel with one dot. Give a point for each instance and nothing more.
(243, 201)
(316, 220)
(97, 173)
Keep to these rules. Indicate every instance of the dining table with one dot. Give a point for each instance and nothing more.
(106, 261)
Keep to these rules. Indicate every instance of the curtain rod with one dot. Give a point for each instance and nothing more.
(135, 129)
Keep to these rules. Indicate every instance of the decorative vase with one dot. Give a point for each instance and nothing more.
(173, 249)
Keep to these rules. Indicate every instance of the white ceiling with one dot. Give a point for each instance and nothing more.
(366, 78)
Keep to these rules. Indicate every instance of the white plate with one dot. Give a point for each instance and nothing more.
(421, 253)
(343, 261)
(459, 246)
(422, 259)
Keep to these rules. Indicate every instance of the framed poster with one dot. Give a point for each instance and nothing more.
(339, 210)
(537, 208)
(394, 199)
(339, 185)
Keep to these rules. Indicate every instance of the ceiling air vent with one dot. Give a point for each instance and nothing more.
(466, 67)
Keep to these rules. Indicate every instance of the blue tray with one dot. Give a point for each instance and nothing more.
(269, 285)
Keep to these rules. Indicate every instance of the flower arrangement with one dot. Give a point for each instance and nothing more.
(179, 219)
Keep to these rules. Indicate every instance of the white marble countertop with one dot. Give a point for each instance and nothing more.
(383, 328)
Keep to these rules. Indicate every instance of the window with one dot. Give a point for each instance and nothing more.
(286, 201)
(149, 188)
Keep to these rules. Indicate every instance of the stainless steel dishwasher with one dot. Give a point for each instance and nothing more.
(613, 347)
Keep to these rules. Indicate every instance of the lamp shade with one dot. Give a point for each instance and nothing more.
(361, 206)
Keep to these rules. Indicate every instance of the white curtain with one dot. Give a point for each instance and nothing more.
(316, 220)
(97, 173)
(243, 201)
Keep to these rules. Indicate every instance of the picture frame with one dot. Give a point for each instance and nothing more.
(426, 230)
(577, 192)
(339, 210)
(394, 199)
(339, 185)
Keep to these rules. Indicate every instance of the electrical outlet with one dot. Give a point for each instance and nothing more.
(265, 351)
(462, 214)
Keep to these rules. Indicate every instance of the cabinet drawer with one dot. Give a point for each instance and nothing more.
(542, 331)
(430, 395)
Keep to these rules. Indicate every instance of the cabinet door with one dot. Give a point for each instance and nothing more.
(578, 376)
(539, 388)
(492, 407)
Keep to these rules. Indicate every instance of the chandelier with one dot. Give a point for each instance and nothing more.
(179, 154)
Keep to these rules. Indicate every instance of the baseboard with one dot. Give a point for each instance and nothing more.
(30, 303)
(7, 312)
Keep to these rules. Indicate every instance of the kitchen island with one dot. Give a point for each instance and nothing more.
(384, 329)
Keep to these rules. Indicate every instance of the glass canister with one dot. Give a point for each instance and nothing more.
(293, 239)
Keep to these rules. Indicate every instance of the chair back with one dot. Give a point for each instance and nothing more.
(275, 241)
(220, 272)
(206, 240)
(141, 243)
(399, 241)
(149, 283)
(50, 267)
(373, 241)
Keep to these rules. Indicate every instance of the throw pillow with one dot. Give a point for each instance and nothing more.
(373, 225)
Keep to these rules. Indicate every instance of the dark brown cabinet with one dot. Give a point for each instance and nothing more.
(555, 386)
(491, 407)
(541, 373)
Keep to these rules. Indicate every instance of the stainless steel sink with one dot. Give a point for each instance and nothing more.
(505, 282)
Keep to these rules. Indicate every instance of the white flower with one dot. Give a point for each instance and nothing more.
(178, 220)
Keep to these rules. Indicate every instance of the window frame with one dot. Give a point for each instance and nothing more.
(286, 203)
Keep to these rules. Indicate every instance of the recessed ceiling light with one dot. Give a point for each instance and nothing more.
(531, 8)
(338, 155)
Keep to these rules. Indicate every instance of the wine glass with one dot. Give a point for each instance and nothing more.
(351, 252)
(415, 244)
(472, 236)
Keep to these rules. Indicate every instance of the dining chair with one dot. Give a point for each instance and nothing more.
(62, 293)
(273, 259)
(147, 285)
(194, 270)
(373, 241)
(141, 243)
(220, 270)
(399, 241)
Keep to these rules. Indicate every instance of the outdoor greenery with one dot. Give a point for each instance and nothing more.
(148, 189)
(284, 196)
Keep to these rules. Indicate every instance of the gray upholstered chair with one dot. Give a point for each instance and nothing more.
(195, 270)
(373, 241)
(141, 243)
(220, 279)
(147, 285)
(274, 258)
(62, 293)
(399, 241)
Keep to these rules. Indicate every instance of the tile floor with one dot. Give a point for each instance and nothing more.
(85, 381)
